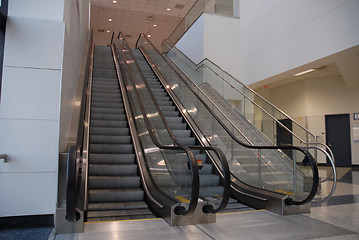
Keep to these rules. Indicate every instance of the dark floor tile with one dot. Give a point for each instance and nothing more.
(25, 234)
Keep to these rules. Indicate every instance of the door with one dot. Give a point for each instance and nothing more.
(285, 138)
(337, 129)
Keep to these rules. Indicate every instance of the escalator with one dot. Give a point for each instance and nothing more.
(114, 185)
(139, 160)
(210, 187)
(262, 175)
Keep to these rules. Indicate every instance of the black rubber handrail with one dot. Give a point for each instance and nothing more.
(308, 157)
(217, 151)
(179, 210)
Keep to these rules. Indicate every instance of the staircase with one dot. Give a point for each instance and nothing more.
(114, 186)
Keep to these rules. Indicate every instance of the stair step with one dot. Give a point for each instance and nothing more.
(128, 158)
(111, 148)
(115, 195)
(116, 213)
(114, 117)
(106, 139)
(112, 170)
(108, 123)
(114, 182)
(117, 205)
(107, 110)
(109, 131)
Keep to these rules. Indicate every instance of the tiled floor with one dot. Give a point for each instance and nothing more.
(336, 219)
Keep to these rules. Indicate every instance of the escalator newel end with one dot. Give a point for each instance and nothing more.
(289, 202)
(208, 209)
(180, 210)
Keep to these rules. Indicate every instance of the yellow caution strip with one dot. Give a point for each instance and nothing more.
(284, 192)
(182, 199)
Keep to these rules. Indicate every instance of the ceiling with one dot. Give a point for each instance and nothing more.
(328, 70)
(133, 17)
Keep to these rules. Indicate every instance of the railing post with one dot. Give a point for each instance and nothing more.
(295, 172)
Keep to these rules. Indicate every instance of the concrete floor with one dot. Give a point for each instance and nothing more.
(336, 219)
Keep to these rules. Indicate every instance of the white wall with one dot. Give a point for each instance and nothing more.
(75, 56)
(29, 110)
(312, 99)
(192, 42)
(33, 85)
(280, 35)
(212, 37)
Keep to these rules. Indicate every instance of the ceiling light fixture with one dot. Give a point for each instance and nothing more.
(110, 19)
(304, 72)
(168, 9)
(114, 1)
(108, 31)
(154, 25)
(149, 35)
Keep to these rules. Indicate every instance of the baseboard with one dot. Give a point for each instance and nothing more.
(27, 221)
(355, 167)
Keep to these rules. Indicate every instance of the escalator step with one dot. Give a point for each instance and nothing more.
(182, 133)
(106, 95)
(112, 170)
(106, 90)
(105, 123)
(115, 195)
(109, 131)
(106, 100)
(106, 139)
(111, 148)
(107, 105)
(115, 117)
(114, 182)
(117, 205)
(115, 213)
(107, 110)
(111, 158)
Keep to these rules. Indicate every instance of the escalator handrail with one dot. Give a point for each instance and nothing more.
(218, 152)
(288, 201)
(333, 173)
(193, 163)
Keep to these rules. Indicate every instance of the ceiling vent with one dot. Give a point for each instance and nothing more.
(179, 6)
(101, 30)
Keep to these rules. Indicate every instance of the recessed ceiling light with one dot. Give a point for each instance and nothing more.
(149, 35)
(154, 25)
(110, 19)
(304, 72)
(114, 1)
(168, 9)
(108, 31)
